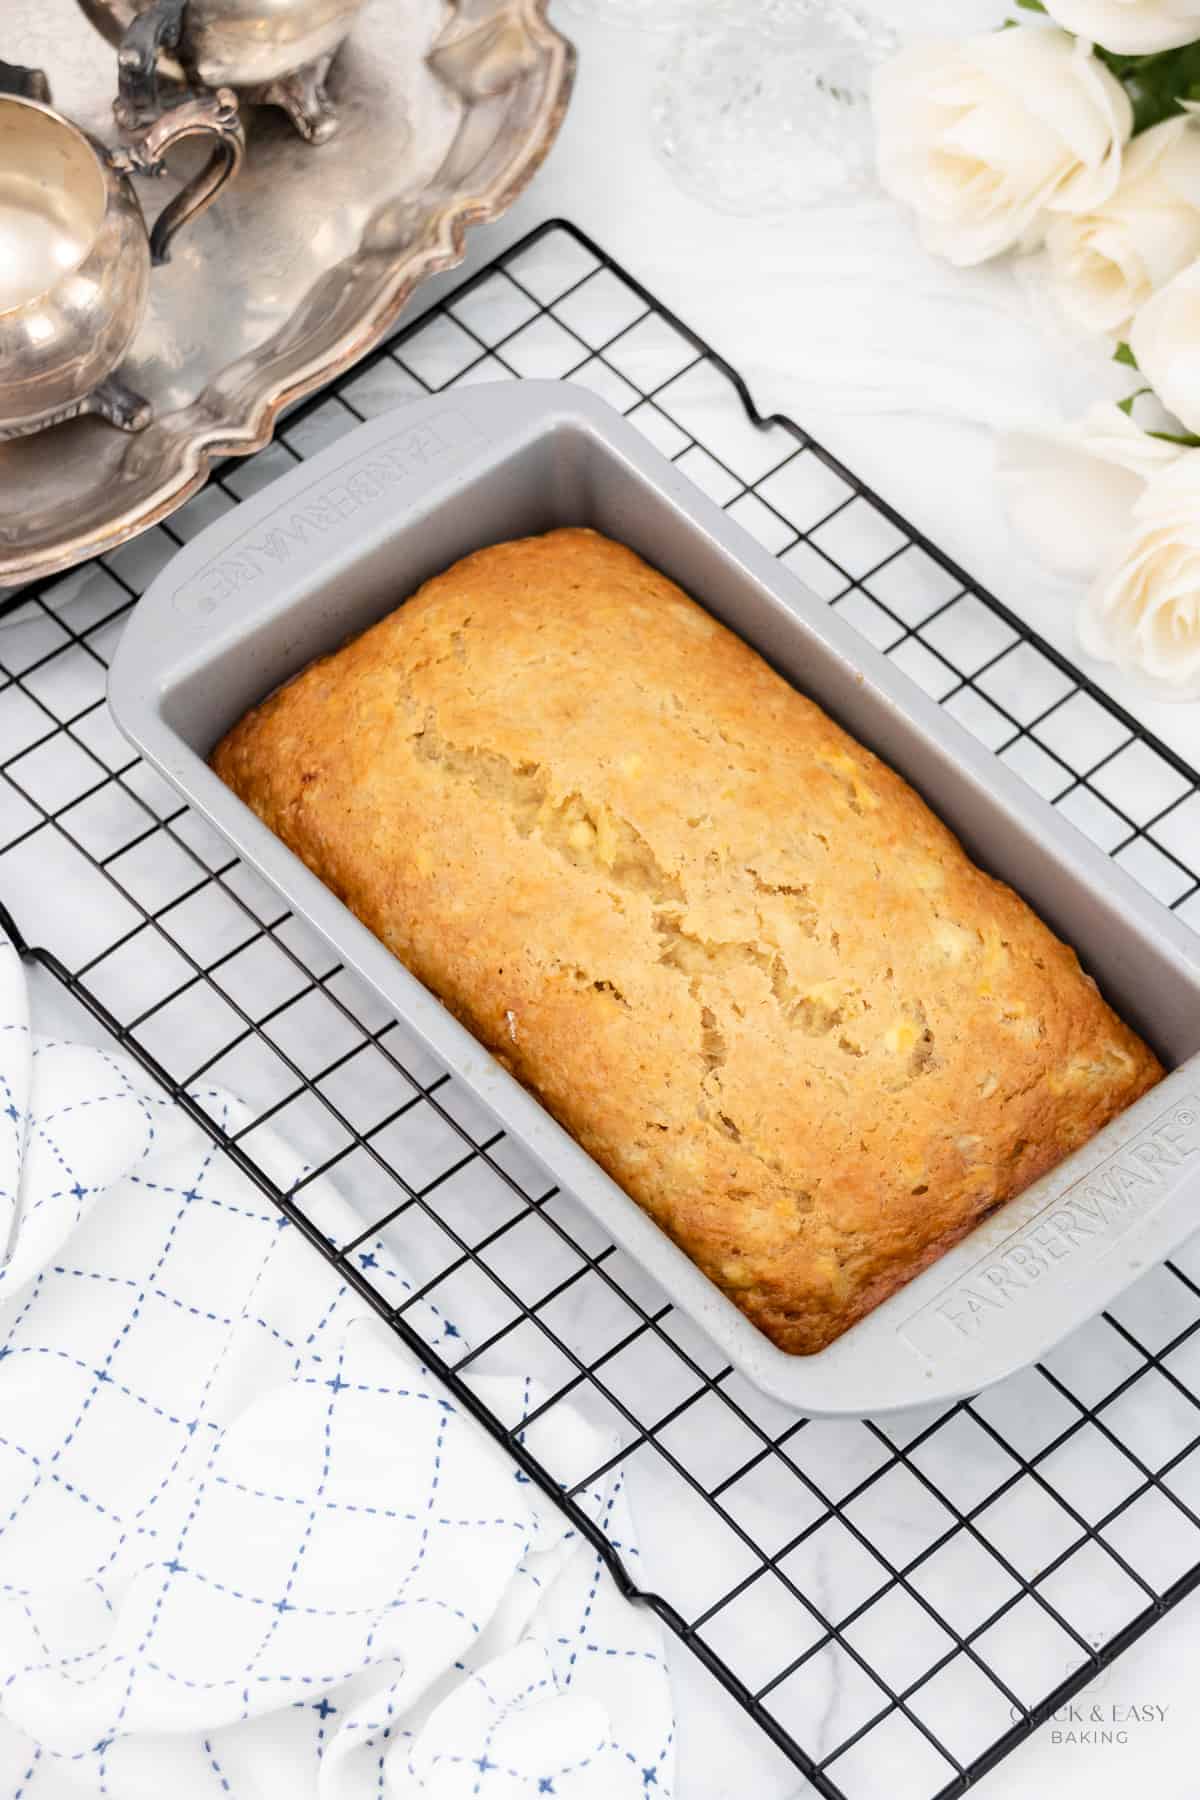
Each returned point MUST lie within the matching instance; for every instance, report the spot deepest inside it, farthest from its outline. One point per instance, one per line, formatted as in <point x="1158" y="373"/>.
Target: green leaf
<point x="1156" y="83"/>
<point x="1187" y="438"/>
<point x="1127" y="404"/>
<point x="1122" y="63"/>
<point x="1124" y="355"/>
<point x="1031" y="5"/>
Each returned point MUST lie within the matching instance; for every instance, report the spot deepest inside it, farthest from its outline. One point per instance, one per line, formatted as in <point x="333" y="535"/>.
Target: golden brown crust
<point x="735" y="954"/>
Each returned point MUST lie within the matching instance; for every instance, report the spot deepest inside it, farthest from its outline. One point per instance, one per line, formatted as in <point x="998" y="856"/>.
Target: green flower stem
<point x="1156" y="84"/>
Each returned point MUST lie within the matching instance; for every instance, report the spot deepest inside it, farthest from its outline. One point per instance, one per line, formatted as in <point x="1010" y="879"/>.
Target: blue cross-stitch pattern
<point x="159" y="1357"/>
<point x="217" y="1769"/>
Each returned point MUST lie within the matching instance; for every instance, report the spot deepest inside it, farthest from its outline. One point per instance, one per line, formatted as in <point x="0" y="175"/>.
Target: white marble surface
<point x="905" y="370"/>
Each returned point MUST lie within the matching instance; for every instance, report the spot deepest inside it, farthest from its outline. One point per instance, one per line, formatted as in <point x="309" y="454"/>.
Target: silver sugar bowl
<point x="272" y="52"/>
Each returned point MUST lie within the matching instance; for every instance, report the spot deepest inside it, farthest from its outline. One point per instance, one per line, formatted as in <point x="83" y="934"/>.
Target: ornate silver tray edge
<point x="280" y="383"/>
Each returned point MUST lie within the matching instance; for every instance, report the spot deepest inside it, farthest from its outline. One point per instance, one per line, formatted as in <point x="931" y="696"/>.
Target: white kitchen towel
<point x="248" y="1546"/>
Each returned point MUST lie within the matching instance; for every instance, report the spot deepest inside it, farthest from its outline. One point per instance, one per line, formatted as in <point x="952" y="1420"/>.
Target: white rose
<point x="1144" y="614"/>
<point x="1165" y="340"/>
<point x="1130" y="27"/>
<point x="1071" y="493"/>
<point x="1108" y="261"/>
<point x="981" y="136"/>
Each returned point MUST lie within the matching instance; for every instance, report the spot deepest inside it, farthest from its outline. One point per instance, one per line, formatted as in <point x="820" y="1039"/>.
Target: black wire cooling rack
<point x="896" y="1603"/>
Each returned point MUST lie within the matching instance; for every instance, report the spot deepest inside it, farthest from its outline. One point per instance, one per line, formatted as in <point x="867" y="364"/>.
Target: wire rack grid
<point x="896" y="1603"/>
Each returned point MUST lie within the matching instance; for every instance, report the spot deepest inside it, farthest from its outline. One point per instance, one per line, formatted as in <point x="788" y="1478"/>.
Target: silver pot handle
<point x="26" y="84"/>
<point x="213" y="115"/>
<point x="158" y="27"/>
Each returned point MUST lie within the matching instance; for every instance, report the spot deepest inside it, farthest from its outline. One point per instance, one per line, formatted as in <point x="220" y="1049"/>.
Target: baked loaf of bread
<point x="731" y="951"/>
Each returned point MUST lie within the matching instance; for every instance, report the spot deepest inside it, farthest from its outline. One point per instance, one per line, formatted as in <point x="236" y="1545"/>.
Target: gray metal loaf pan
<point x="337" y="542"/>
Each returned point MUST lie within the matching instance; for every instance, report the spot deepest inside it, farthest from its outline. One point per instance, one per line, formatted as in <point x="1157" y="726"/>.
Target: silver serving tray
<point x="447" y="108"/>
<point x="324" y="552"/>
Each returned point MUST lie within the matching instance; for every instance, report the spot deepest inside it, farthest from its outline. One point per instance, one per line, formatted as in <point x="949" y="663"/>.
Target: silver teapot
<point x="76" y="253"/>
<point x="273" y="52"/>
